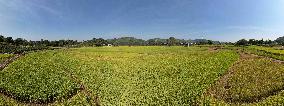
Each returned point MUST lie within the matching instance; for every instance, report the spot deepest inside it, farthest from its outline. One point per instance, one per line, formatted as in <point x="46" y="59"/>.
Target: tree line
<point x="278" y="41"/>
<point x="122" y="41"/>
<point x="129" y="41"/>
<point x="132" y="41"/>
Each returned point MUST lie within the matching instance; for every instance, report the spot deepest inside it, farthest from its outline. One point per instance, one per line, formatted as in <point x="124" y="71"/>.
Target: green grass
<point x="38" y="77"/>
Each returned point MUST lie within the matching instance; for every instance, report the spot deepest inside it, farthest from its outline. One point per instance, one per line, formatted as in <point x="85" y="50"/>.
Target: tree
<point x="210" y="42"/>
<point x="2" y="38"/>
<point x="19" y="41"/>
<point x="260" y="42"/>
<point x="201" y="41"/>
<point x="100" y="42"/>
<point x="157" y="42"/>
<point x="151" y="42"/>
<point x="172" y="41"/>
<point x="252" y="42"/>
<point x="268" y="42"/>
<point x="25" y="43"/>
<point x="242" y="42"/>
<point x="280" y="40"/>
<point x="9" y="40"/>
<point x="61" y="43"/>
<point x="127" y="41"/>
<point x="46" y="42"/>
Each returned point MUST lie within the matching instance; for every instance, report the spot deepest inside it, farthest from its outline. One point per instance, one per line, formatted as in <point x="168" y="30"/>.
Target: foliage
<point x="252" y="81"/>
<point x="143" y="75"/>
<point x="118" y="76"/>
<point x="261" y="42"/>
<point x="39" y="77"/>
<point x="3" y="57"/>
<point x="20" y="49"/>
<point x="95" y="42"/>
<point x="261" y="79"/>
<point x="172" y="41"/>
<point x="4" y="101"/>
<point x="280" y="40"/>
<point x="98" y="42"/>
<point x="150" y="75"/>
<point x="266" y="51"/>
<point x="243" y="42"/>
<point x="127" y="41"/>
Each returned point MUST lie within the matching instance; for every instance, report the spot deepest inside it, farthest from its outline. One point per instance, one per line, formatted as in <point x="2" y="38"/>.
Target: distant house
<point x="190" y="43"/>
<point x="109" y="45"/>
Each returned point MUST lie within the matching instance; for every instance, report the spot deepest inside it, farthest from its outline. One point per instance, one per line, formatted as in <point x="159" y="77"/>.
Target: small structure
<point x="190" y="44"/>
<point x="109" y="45"/>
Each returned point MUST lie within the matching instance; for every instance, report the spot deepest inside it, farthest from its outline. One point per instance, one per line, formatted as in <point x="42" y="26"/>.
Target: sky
<point x="222" y="20"/>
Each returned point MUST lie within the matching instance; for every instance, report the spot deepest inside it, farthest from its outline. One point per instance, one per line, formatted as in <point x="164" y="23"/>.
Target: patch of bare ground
<point x="215" y="48"/>
<point x="220" y="90"/>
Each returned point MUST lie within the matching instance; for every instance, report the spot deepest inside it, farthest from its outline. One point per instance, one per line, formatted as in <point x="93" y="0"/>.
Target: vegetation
<point x="244" y="42"/>
<point x="118" y="76"/>
<point x="39" y="77"/>
<point x="122" y="41"/>
<point x="174" y="76"/>
<point x="3" y="57"/>
<point x="275" y="53"/>
<point x="280" y="40"/>
<point x="275" y="50"/>
<point x="153" y="72"/>
<point x="251" y="81"/>
<point x="248" y="84"/>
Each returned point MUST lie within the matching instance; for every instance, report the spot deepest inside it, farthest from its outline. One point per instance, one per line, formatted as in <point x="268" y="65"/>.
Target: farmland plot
<point x="116" y="76"/>
<point x="38" y="77"/>
<point x="150" y="75"/>
<point x="253" y="80"/>
<point x="3" y="57"/>
<point x="270" y="52"/>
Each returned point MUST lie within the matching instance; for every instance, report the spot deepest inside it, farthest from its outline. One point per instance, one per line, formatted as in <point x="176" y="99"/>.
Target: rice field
<point x="3" y="57"/>
<point x="141" y="76"/>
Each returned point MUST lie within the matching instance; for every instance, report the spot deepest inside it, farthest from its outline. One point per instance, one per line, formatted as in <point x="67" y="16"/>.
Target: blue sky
<point x="224" y="20"/>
